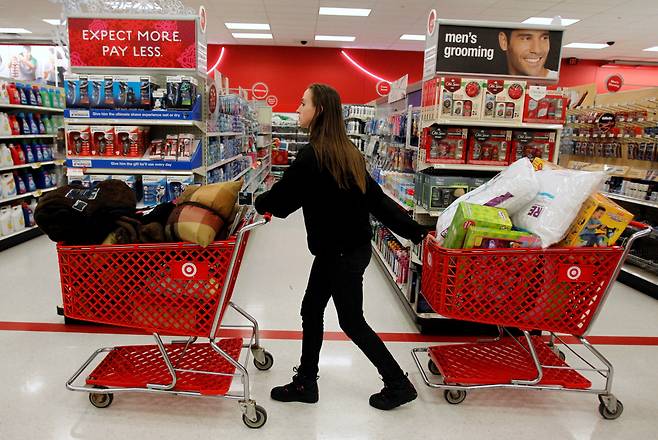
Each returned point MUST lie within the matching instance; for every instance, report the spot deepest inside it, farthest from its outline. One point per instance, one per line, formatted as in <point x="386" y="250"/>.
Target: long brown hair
<point x="334" y="149"/>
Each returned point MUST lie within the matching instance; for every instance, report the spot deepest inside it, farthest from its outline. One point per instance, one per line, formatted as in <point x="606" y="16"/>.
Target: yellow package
<point x="599" y="223"/>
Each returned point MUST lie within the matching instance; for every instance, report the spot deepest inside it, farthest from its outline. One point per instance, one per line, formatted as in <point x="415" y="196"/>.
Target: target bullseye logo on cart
<point x="189" y="270"/>
<point x="571" y="273"/>
<point x="574" y="273"/>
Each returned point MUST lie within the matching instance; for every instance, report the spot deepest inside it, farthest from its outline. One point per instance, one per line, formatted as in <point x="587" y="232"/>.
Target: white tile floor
<point x="35" y="405"/>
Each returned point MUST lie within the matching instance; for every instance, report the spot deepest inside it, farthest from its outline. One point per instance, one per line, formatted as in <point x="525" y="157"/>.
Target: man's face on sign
<point x="526" y="50"/>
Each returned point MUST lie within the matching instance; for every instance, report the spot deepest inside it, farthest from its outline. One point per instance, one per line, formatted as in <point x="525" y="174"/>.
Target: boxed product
<point x="102" y="140"/>
<point x="108" y="92"/>
<point x="95" y="179"/>
<point x="461" y="98"/>
<point x="147" y="87"/>
<point x="440" y="191"/>
<point x="127" y="141"/>
<point x="129" y="180"/>
<point x="171" y="147"/>
<point x="532" y="144"/>
<point x="488" y="238"/>
<point x="545" y="107"/>
<point x="176" y="185"/>
<point x="445" y="144"/>
<point x="96" y="91"/>
<point x="468" y="215"/>
<point x="181" y="92"/>
<point x="489" y="146"/>
<point x="126" y="92"/>
<point x="503" y="99"/>
<point x="279" y="157"/>
<point x="186" y="143"/>
<point x="76" y="89"/>
<point x="78" y="140"/>
<point x="156" y="150"/>
<point x="155" y="190"/>
<point x="600" y="222"/>
<point x="430" y="99"/>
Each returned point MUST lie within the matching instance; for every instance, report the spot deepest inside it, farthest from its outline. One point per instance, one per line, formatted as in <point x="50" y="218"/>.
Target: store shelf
<point x="434" y="213"/>
<point x="33" y="165"/>
<point x="358" y="118"/>
<point x="27" y="136"/>
<point x="280" y="166"/>
<point x="416" y="259"/>
<point x="222" y="162"/>
<point x="395" y="199"/>
<point x="36" y="193"/>
<point x="632" y="200"/>
<point x="359" y="135"/>
<point x="26" y="234"/>
<point x="460" y="167"/>
<point x="36" y="108"/>
<point x="494" y="124"/>
<point x="242" y="173"/>
<point x="224" y="134"/>
<point x="391" y="274"/>
<point x="264" y="157"/>
<point x="16" y="234"/>
<point x="153" y="122"/>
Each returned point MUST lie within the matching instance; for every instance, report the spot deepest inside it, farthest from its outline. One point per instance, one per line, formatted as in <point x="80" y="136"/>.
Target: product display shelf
<point x="37" y="193"/>
<point x="33" y="165"/>
<point x="395" y="199"/>
<point x="242" y="173"/>
<point x="35" y="108"/>
<point x="624" y="198"/>
<point x="200" y="125"/>
<point x="27" y="136"/>
<point x="432" y="213"/>
<point x="223" y="162"/>
<point x="224" y="134"/>
<point x="492" y="124"/>
<point x="401" y="287"/>
<point x="460" y="167"/>
<point x="26" y="234"/>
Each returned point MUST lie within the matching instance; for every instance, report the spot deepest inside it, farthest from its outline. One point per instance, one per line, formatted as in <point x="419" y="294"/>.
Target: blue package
<point x="34" y="128"/>
<point x="20" y="87"/>
<point x="29" y="182"/>
<point x="40" y="179"/>
<point x="28" y="153"/>
<point x="126" y="92"/>
<point x="76" y="88"/>
<point x="155" y="190"/>
<point x="176" y="185"/>
<point x="37" y="153"/>
<point x="24" y="124"/>
<point x="28" y="215"/>
<point x="96" y="92"/>
<point x="20" y="184"/>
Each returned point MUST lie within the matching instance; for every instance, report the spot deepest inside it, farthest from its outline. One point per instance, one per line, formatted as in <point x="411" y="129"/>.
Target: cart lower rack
<point x="165" y="288"/>
<point x="560" y="291"/>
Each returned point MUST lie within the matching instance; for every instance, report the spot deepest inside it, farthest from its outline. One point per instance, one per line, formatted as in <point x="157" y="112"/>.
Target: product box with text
<point x="489" y="146"/>
<point x="78" y="140"/>
<point x="128" y="141"/>
<point x="461" y="98"/>
<point x="503" y="100"/>
<point x="532" y="144"/>
<point x="445" y="144"/>
<point x="102" y="140"/>
<point x="544" y="106"/>
<point x="430" y="100"/>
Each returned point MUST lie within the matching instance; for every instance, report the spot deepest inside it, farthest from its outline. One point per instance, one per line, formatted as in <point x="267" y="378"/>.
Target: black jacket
<point x="336" y="220"/>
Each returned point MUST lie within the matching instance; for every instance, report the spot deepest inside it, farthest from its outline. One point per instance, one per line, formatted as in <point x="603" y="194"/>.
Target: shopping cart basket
<point x="554" y="290"/>
<point x="165" y="289"/>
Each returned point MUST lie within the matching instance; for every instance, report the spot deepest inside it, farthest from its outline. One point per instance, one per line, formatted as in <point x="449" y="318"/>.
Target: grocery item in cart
<point x="469" y="215"/>
<point x="561" y="194"/>
<point x="511" y="189"/>
<point x="489" y="238"/>
<point x="600" y="222"/>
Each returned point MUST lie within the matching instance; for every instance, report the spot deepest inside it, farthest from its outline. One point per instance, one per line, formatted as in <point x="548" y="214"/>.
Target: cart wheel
<point x="611" y="415"/>
<point x="269" y="361"/>
<point x="433" y="368"/>
<point x="261" y="418"/>
<point x="101" y="400"/>
<point x="454" y="397"/>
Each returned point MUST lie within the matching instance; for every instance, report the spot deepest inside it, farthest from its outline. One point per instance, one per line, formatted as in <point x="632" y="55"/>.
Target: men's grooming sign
<point x="508" y="50"/>
<point x="144" y="43"/>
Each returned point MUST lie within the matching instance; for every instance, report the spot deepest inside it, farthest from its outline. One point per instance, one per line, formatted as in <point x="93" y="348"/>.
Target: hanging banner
<point x="513" y="50"/>
<point x="398" y="89"/>
<point x="143" y="43"/>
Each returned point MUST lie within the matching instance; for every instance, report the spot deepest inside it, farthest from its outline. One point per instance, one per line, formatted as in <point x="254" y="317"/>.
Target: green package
<point x="488" y="238"/>
<point x="469" y="215"/>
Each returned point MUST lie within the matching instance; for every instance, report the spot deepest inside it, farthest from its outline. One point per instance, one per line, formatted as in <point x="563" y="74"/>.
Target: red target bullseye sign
<point x="189" y="270"/>
<point x="572" y="273"/>
<point x="383" y="88"/>
<point x="272" y="101"/>
<point x="260" y="90"/>
<point x="431" y="22"/>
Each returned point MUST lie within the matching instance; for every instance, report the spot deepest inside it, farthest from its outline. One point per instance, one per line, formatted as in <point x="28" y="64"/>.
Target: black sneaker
<point x="394" y="394"/>
<point x="301" y="389"/>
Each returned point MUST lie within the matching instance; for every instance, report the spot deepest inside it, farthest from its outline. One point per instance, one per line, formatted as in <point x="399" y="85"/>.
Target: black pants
<point x="341" y="278"/>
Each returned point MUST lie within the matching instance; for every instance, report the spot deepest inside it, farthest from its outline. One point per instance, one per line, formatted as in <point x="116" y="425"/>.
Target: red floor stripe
<point x="297" y="335"/>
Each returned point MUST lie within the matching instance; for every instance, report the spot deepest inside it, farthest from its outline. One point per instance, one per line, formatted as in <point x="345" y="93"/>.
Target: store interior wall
<point x="288" y="70"/>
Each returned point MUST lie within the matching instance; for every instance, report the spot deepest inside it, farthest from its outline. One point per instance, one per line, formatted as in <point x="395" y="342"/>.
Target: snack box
<point x="469" y="215"/>
<point x="487" y="238"/>
<point x="504" y="100"/>
<point x="599" y="223"/>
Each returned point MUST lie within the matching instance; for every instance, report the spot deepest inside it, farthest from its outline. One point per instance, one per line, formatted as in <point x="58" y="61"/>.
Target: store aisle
<point x="36" y="364"/>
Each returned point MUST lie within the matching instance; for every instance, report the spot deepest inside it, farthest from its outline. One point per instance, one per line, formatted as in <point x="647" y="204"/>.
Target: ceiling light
<point x="334" y="38"/>
<point x="14" y="31"/>
<point x="353" y="12"/>
<point x="53" y="21"/>
<point x="249" y="26"/>
<point x="412" y="37"/>
<point x="651" y="49"/>
<point x="252" y="36"/>
<point x="549" y="21"/>
<point x="586" y="46"/>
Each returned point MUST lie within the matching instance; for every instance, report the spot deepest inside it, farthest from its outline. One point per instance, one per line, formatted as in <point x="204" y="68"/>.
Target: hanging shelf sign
<point x="133" y="43"/>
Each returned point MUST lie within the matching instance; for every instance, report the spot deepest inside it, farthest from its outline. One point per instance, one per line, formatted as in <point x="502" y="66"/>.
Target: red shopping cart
<point x="179" y="289"/>
<point x="553" y="290"/>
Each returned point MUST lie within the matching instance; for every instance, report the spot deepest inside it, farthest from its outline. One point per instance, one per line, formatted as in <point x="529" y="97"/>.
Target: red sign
<point x="203" y="18"/>
<point x="212" y="98"/>
<point x="431" y="22"/>
<point x="189" y="270"/>
<point x="259" y="90"/>
<point x="272" y="101"/>
<point x="614" y="83"/>
<point x="145" y="43"/>
<point x="383" y="88"/>
<point x="571" y="273"/>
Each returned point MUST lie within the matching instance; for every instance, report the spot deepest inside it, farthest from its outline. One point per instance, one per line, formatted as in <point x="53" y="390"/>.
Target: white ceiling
<point x="630" y="23"/>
